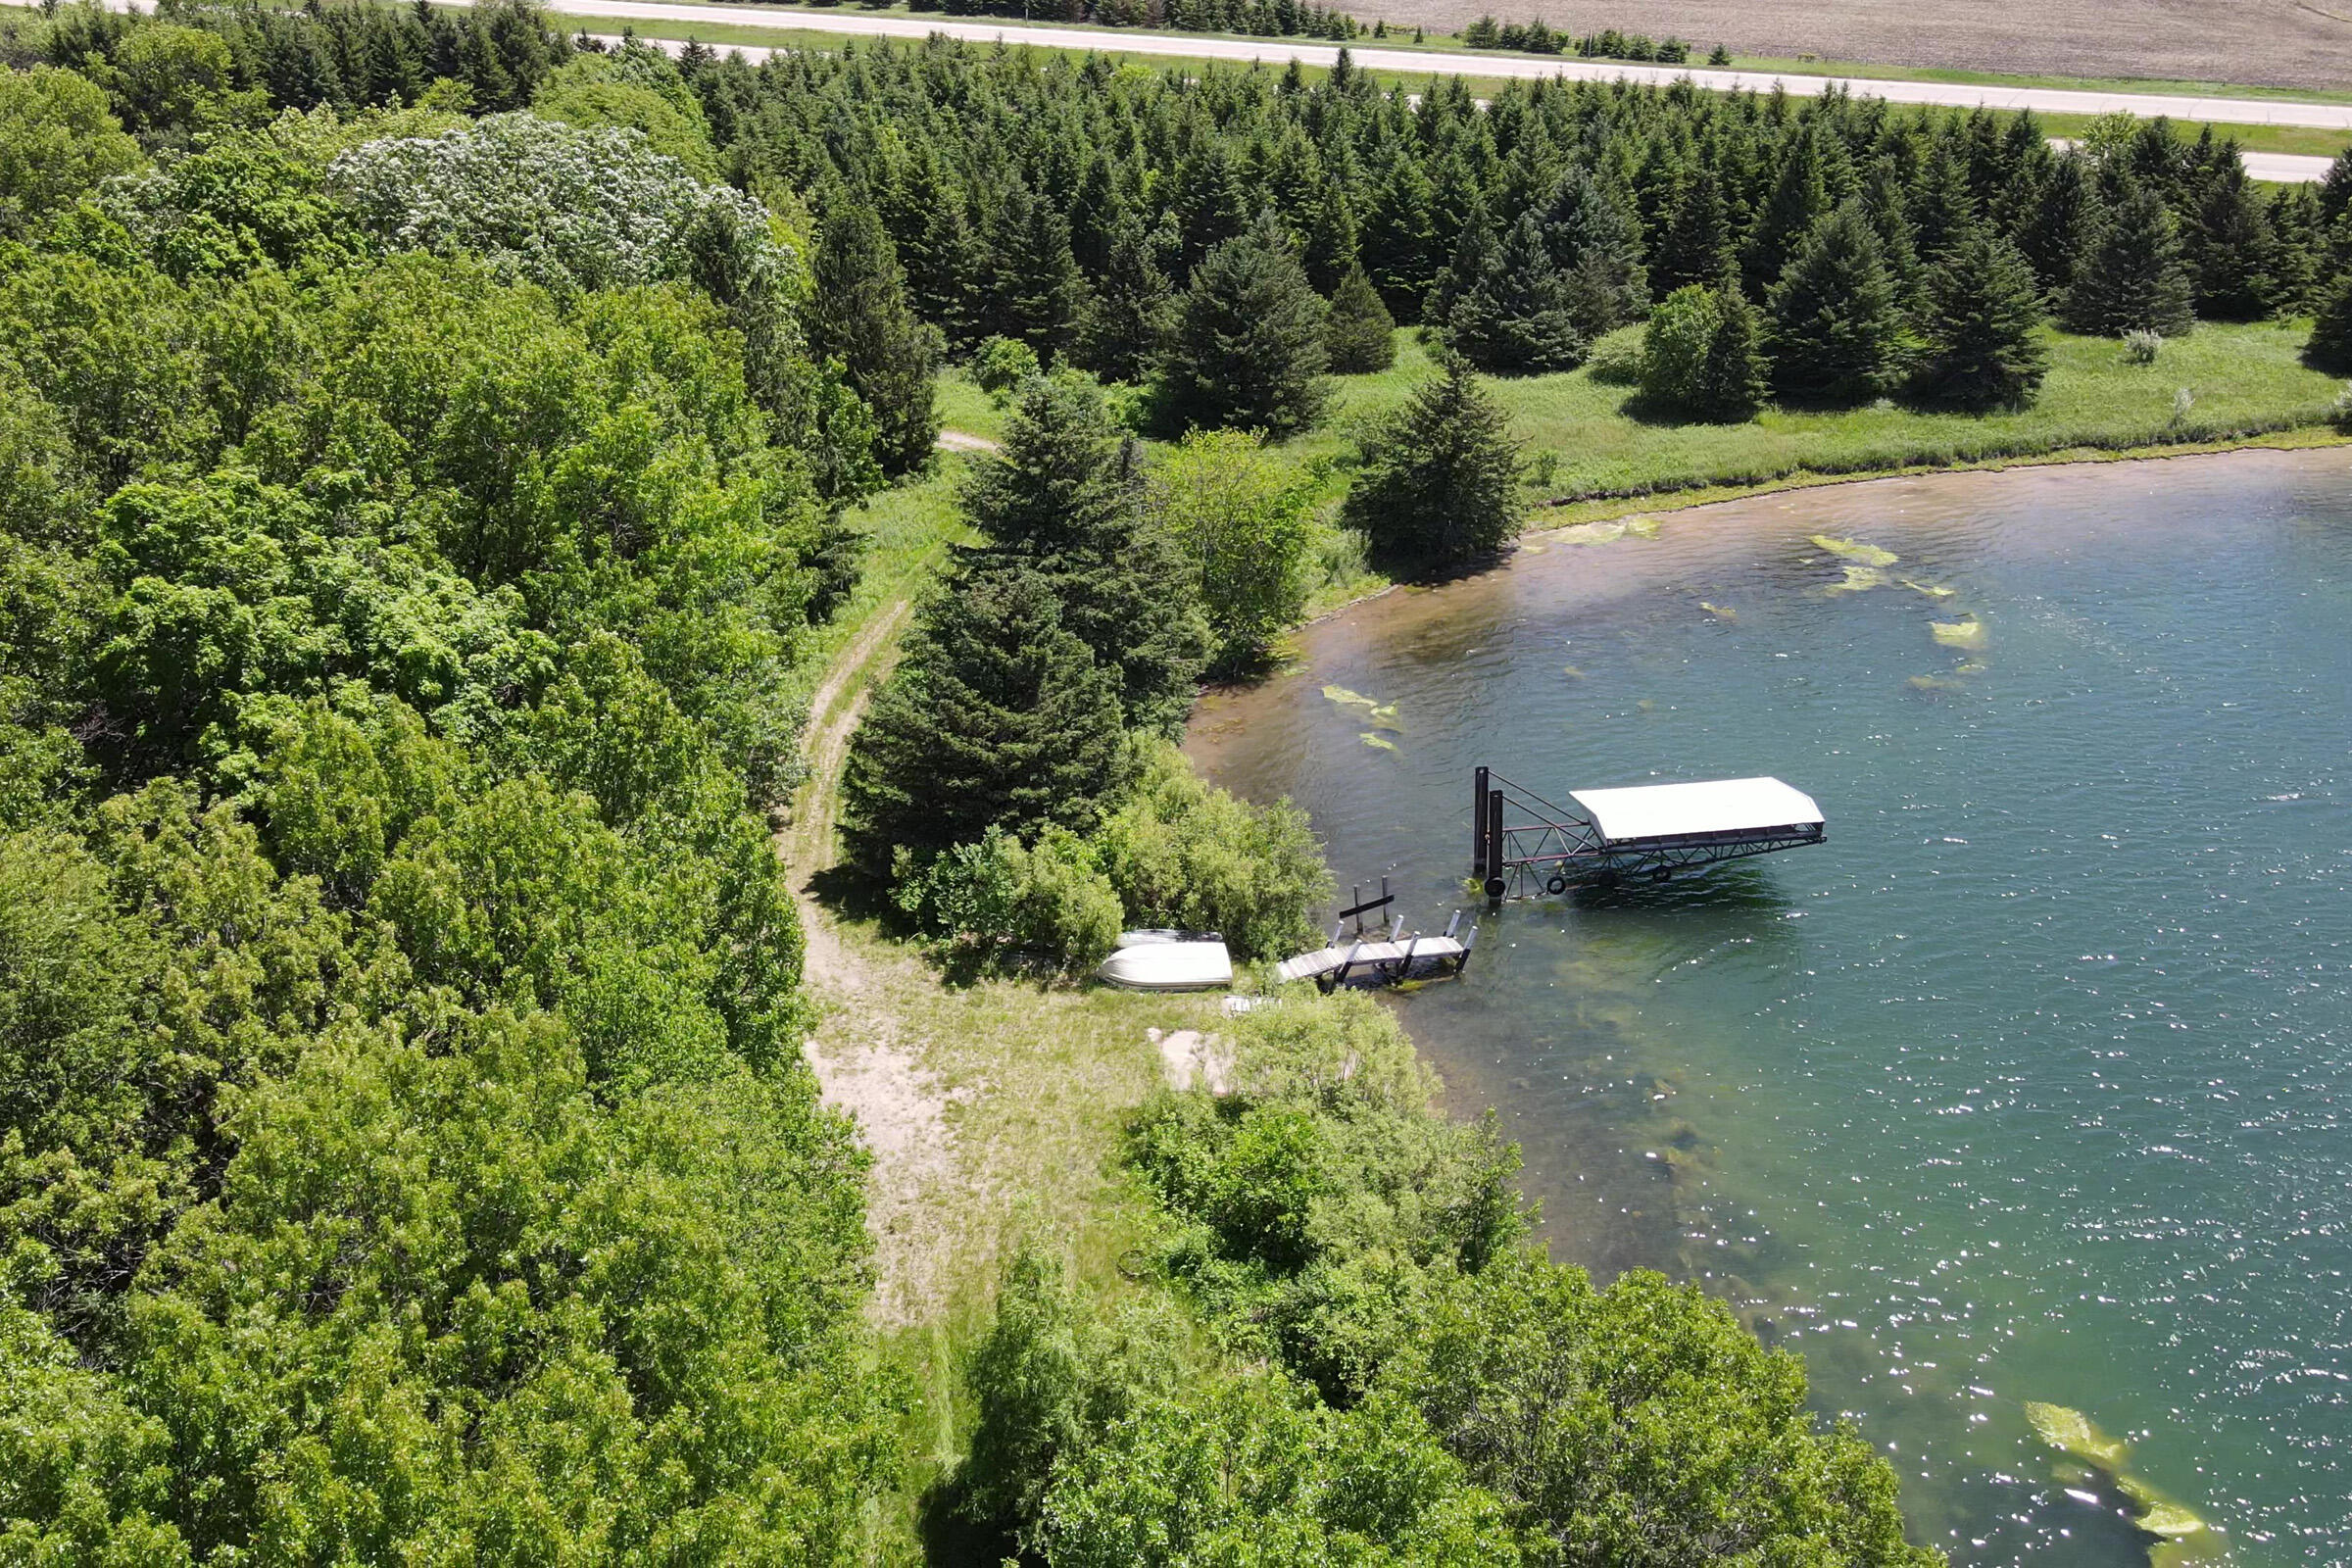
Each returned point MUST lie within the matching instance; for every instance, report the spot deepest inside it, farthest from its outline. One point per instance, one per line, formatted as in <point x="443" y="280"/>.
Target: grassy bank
<point x="2243" y="381"/>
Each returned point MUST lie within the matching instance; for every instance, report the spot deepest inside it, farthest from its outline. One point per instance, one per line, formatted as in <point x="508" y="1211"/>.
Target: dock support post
<point x="1478" y="825"/>
<point x="1495" y="885"/>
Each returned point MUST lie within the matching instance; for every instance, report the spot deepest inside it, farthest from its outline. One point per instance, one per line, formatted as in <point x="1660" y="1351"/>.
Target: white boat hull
<point x="1169" y="967"/>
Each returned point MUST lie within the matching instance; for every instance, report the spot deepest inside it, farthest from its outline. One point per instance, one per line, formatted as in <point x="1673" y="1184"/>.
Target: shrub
<point x="1050" y="900"/>
<point x="1244" y="519"/>
<point x="2142" y="346"/>
<point x="999" y="365"/>
<point x="1183" y="853"/>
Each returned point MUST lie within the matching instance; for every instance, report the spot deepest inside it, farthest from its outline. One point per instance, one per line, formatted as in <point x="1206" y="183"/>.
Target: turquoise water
<point x="2033" y="1083"/>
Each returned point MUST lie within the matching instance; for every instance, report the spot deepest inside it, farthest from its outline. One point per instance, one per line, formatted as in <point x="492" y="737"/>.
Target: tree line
<point x="406" y="523"/>
<point x="1856" y="250"/>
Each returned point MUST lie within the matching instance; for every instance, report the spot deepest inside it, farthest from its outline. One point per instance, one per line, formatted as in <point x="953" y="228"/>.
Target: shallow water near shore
<point x="2032" y="1083"/>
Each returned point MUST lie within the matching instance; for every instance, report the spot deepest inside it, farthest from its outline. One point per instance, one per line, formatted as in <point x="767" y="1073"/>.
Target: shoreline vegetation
<point x="511" y="728"/>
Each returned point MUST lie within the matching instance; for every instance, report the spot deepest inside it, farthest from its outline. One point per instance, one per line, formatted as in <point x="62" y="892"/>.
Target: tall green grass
<point x="2244" y="382"/>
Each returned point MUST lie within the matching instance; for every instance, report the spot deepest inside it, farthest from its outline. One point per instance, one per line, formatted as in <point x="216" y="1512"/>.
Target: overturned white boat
<point x="1169" y="962"/>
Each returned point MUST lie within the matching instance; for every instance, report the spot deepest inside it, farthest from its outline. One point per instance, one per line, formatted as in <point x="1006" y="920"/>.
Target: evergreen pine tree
<point x="857" y="314"/>
<point x="1884" y="200"/>
<point x="1733" y="384"/>
<point x="997" y="716"/>
<point x="1248" y="351"/>
<point x="2295" y="249"/>
<point x="1065" y="496"/>
<point x="2330" y="345"/>
<point x="1096" y="211"/>
<point x="936" y="245"/>
<point x="1033" y="285"/>
<point x="1799" y="201"/>
<point x="1521" y="318"/>
<point x="1836" y="326"/>
<point x="1128" y="317"/>
<point x="2130" y="277"/>
<point x="1400" y="238"/>
<point x="1439" y="487"/>
<point x="2230" y="249"/>
<point x="1698" y="247"/>
<point x="1359" y="334"/>
<point x="1985" y="347"/>
<point x="1943" y="207"/>
<point x="1595" y="241"/>
<point x="1471" y="252"/>
<point x="2056" y="222"/>
<point x="1209" y="206"/>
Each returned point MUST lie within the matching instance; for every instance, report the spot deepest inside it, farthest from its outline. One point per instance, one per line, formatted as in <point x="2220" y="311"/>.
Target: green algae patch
<point x="1719" y="612"/>
<point x="2186" y="1539"/>
<point x="1572" y="672"/>
<point x="1856" y="552"/>
<point x="2071" y="1432"/>
<point x="1379" y="740"/>
<point x="1858" y="579"/>
<point x="1934" y="590"/>
<point x="1967" y="633"/>
<point x="1384" y="716"/>
<point x="1348" y="699"/>
<point x="1936" y="683"/>
<point x="1607" y="531"/>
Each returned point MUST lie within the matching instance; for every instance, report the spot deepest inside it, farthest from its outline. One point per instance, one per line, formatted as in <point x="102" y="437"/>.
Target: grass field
<point x="2243" y="380"/>
<point x="2245" y="42"/>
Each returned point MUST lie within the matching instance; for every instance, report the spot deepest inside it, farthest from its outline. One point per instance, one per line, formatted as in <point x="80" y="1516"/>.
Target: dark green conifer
<point x="1033" y="284"/>
<point x="1985" y="348"/>
<point x="2132" y="277"/>
<point x="1836" y="326"/>
<point x="997" y="716"/>
<point x="1438" y="486"/>
<point x="1521" y="318"/>
<point x="2057" y="219"/>
<point x="1211" y="207"/>
<point x="1248" y="350"/>
<point x="1460" y="274"/>
<point x="1128" y="316"/>
<point x="2330" y="345"/>
<point x="1595" y="242"/>
<point x="859" y="315"/>
<point x="1799" y="201"/>
<point x="1737" y="376"/>
<point x="1943" y="207"/>
<point x="1065" y="495"/>
<point x="1359" y="334"/>
<point x="1698" y="247"/>
<point x="2231" y="248"/>
<point x="1400" y="238"/>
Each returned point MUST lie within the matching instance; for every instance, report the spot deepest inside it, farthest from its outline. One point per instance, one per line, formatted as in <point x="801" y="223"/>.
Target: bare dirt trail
<point x="863" y="1061"/>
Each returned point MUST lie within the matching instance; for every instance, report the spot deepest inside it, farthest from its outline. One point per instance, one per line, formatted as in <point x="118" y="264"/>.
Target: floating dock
<point x="1524" y="844"/>
<point x="1387" y="959"/>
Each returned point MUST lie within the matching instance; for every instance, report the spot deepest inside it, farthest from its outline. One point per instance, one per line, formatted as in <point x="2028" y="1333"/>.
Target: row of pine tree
<point x="1118" y="220"/>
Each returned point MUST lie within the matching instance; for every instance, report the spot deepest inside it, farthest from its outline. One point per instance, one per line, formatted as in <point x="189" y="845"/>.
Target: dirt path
<point x="966" y="441"/>
<point x="857" y="1049"/>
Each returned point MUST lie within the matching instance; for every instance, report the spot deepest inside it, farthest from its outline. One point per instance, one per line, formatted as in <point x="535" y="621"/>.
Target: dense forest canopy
<point x="424" y="444"/>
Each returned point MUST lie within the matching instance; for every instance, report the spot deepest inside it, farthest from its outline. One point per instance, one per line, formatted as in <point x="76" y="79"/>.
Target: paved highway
<point x="2042" y="100"/>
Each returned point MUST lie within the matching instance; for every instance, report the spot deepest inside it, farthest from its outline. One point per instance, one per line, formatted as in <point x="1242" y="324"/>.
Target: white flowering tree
<point x="567" y="208"/>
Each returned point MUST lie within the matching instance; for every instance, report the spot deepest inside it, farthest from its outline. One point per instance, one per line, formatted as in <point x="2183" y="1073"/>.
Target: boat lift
<point x="1524" y="844"/>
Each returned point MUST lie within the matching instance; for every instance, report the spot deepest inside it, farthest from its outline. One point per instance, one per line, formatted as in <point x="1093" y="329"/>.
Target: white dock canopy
<point x="1730" y="805"/>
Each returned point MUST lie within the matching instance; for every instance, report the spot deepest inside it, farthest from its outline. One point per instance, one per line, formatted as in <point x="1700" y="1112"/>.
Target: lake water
<point x="2032" y="1083"/>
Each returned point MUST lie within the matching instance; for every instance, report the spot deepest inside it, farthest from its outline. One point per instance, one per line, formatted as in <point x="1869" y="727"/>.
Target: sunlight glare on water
<point x="2030" y="1085"/>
